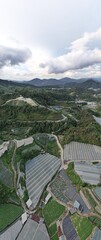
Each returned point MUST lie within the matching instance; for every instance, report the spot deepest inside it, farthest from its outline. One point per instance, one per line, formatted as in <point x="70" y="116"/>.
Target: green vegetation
<point x="90" y="199"/>
<point x="28" y="113"/>
<point x="76" y="180"/>
<point x="53" y="232"/>
<point x="96" y="221"/>
<point x="86" y="130"/>
<point x="6" y="176"/>
<point x="82" y="225"/>
<point x="8" y="214"/>
<point x="47" y="143"/>
<point x="7" y="157"/>
<point x="24" y="153"/>
<point x="52" y="211"/>
<point x="4" y="193"/>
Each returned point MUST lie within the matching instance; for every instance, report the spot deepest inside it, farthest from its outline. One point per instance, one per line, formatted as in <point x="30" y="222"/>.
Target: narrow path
<point x="61" y="149"/>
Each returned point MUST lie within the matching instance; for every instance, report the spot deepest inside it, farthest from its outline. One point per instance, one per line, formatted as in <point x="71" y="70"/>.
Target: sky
<point x="50" y="39"/>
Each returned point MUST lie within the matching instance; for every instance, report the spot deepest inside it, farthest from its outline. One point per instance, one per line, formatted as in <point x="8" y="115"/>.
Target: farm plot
<point x="8" y="214"/>
<point x="72" y="193"/>
<point x="59" y="188"/>
<point x="76" y="151"/>
<point x="52" y="211"/>
<point x="69" y="230"/>
<point x="39" y="171"/>
<point x="82" y="225"/>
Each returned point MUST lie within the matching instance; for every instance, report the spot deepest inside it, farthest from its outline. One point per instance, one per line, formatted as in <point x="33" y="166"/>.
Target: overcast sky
<point x="50" y="38"/>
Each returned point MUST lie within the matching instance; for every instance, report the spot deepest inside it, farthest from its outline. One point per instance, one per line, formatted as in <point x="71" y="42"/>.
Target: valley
<point x="46" y="134"/>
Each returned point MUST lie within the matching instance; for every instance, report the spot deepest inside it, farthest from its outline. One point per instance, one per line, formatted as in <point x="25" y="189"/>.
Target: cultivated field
<point x="39" y="171"/>
<point x="76" y="151"/>
<point x="9" y="213"/>
<point x="82" y="225"/>
<point x="52" y="211"/>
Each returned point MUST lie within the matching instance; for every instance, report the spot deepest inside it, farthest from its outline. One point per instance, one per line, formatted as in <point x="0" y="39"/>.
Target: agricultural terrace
<point x="76" y="151"/>
<point x="39" y="171"/>
<point x="82" y="225"/>
<point x="8" y="214"/>
<point x="51" y="213"/>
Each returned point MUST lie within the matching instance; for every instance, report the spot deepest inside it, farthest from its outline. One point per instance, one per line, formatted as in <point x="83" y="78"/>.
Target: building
<point x="78" y="206"/>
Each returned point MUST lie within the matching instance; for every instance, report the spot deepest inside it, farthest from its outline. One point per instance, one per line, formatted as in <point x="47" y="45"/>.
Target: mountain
<point x="52" y="82"/>
<point x="64" y="82"/>
<point x="90" y="84"/>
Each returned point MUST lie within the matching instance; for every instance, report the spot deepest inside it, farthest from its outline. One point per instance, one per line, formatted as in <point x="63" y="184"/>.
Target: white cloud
<point x="82" y="53"/>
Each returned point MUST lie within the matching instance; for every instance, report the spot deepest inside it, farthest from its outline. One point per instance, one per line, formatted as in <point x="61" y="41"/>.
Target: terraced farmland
<point x="39" y="171"/>
<point x="76" y="151"/>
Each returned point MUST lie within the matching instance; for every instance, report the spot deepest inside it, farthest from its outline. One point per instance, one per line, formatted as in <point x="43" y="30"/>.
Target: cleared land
<point x="76" y="151"/>
<point x="39" y="171"/>
<point x="8" y="214"/>
<point x="82" y="225"/>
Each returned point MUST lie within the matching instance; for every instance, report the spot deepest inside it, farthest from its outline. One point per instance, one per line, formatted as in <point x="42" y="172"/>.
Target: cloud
<point x="82" y="53"/>
<point x="13" y="56"/>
